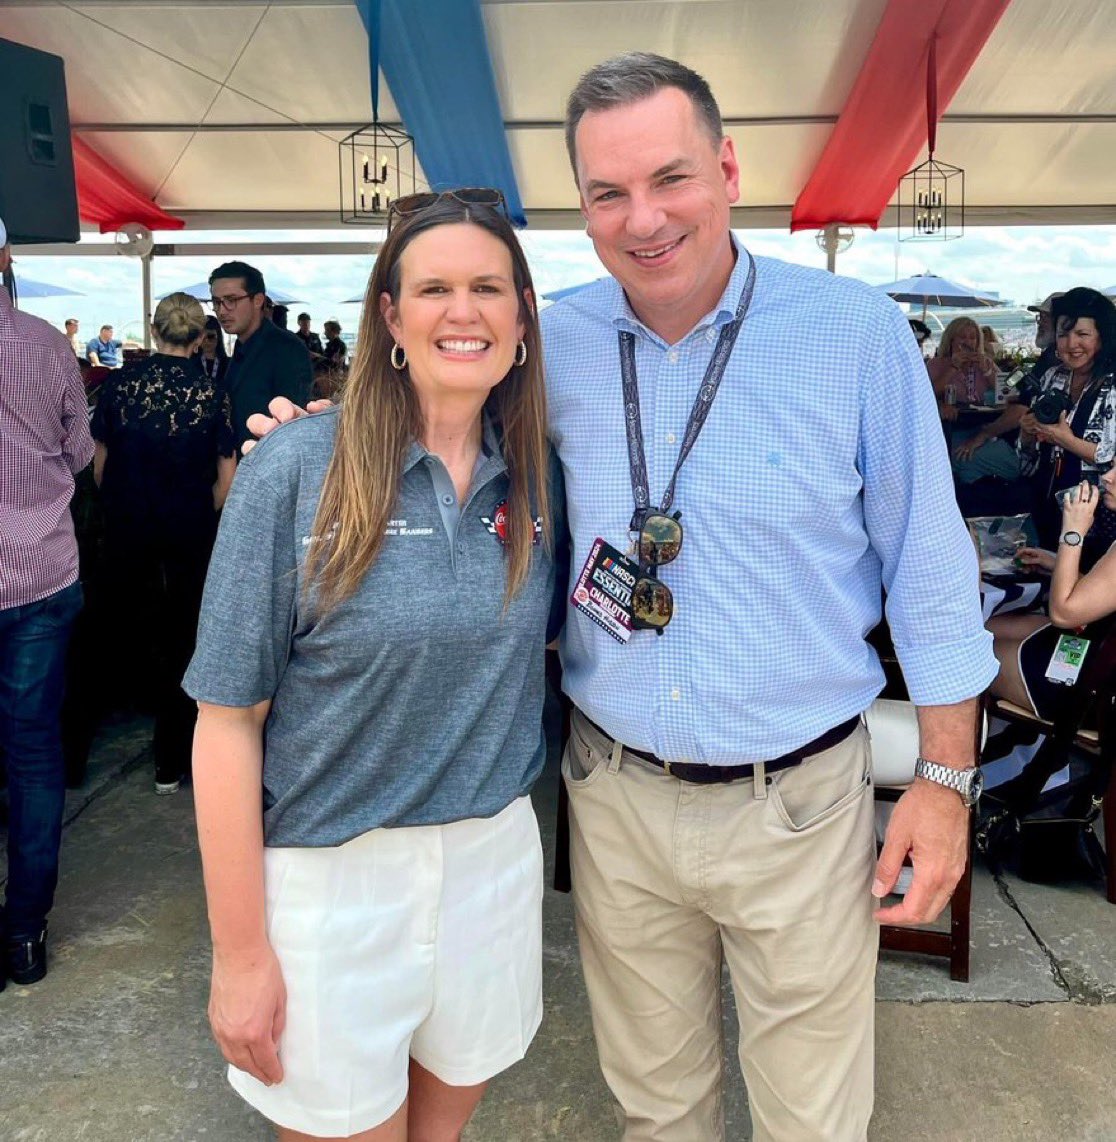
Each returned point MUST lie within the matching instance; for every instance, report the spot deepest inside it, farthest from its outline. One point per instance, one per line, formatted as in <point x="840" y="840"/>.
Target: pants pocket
<point x="824" y="786"/>
<point x="582" y="764"/>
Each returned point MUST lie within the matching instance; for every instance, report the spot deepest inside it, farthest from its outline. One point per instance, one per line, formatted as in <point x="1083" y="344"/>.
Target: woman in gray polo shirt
<point x="369" y="669"/>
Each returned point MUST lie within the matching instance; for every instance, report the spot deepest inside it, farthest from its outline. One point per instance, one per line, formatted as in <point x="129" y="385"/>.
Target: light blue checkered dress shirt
<point x="820" y="474"/>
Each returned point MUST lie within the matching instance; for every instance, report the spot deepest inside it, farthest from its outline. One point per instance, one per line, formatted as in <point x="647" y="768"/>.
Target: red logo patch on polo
<point x="497" y="523"/>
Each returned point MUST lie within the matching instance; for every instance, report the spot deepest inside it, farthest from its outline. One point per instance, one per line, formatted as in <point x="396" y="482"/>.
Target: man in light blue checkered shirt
<point x="819" y="478"/>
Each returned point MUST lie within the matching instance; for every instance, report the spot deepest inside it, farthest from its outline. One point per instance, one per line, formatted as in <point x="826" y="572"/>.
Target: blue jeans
<point x="33" y="642"/>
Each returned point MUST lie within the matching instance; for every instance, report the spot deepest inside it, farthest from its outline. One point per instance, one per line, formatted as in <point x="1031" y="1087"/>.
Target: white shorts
<point x="417" y="943"/>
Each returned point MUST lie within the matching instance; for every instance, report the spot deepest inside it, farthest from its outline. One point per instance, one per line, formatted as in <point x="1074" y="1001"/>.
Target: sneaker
<point x="166" y="788"/>
<point x="26" y="960"/>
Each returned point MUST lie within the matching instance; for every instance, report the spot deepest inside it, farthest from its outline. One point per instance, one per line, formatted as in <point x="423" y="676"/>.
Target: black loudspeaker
<point x="38" y="199"/>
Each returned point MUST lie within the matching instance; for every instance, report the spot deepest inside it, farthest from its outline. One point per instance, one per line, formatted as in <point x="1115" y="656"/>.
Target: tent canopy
<point x="228" y="114"/>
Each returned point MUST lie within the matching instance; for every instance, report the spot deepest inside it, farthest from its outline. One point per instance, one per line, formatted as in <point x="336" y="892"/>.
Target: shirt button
<point x="672" y="356"/>
<point x="670" y="437"/>
<point x="711" y="334"/>
<point x="675" y="694"/>
<point x="447" y="499"/>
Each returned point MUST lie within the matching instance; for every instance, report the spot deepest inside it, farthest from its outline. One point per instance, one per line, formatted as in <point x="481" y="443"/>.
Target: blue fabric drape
<point x="435" y="59"/>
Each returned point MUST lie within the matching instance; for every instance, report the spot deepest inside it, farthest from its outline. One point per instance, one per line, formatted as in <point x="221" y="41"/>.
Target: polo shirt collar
<point x="490" y="445"/>
<point x="622" y="316"/>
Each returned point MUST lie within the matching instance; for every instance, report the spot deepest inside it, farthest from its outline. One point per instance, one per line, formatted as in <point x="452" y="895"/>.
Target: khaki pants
<point x="670" y="879"/>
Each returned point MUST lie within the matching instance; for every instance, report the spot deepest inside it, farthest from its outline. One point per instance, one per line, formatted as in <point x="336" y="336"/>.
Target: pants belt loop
<point x="614" y="760"/>
<point x="759" y="781"/>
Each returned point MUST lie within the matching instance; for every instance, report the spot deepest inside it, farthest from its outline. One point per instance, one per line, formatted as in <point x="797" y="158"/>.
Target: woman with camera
<point x="1069" y="433"/>
<point x="1067" y="421"/>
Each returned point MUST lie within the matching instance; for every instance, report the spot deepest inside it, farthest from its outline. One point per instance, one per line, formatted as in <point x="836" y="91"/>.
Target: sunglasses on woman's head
<point x="410" y="204"/>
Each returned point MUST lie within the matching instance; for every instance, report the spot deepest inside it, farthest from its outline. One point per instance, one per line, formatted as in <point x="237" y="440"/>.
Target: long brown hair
<point x="380" y="417"/>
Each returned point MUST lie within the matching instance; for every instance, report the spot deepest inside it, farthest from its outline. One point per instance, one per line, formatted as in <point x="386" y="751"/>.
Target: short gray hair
<point x="632" y="77"/>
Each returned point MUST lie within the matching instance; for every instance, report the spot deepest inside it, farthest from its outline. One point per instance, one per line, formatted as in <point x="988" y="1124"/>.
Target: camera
<point x="1027" y="386"/>
<point x="1050" y="406"/>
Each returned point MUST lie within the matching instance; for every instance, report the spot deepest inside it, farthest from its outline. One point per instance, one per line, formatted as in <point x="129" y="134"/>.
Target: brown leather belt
<point x="722" y="774"/>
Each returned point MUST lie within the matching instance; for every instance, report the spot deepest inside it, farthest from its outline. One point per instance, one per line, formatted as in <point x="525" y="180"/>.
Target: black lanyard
<point x="703" y="402"/>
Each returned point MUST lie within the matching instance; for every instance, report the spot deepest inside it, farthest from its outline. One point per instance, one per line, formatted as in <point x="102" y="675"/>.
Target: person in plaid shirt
<point x="44" y="442"/>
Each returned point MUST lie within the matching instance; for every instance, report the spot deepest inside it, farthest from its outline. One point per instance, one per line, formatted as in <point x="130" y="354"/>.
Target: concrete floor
<point x="114" y="1045"/>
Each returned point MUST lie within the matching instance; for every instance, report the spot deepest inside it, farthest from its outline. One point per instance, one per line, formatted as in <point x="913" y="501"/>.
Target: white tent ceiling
<point x="228" y="112"/>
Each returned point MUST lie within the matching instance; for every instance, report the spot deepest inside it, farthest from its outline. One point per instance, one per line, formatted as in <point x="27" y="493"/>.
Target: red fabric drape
<point x="883" y="126"/>
<point x="106" y="197"/>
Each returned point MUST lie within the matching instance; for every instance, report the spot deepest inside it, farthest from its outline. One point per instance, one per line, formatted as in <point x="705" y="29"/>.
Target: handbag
<point x="1054" y="844"/>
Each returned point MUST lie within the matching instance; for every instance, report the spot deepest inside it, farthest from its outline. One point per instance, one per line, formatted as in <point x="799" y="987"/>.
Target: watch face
<point x="976" y="786"/>
<point x="1071" y="538"/>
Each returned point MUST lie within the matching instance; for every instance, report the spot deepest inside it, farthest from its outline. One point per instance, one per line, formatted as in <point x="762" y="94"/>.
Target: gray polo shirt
<point x="416" y="701"/>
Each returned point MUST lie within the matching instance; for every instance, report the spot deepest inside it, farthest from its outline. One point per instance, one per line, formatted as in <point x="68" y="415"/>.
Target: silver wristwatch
<point x="969" y="783"/>
<point x="1071" y="538"/>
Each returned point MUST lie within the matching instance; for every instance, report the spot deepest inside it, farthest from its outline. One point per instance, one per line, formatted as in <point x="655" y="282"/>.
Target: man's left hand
<point x="931" y="823"/>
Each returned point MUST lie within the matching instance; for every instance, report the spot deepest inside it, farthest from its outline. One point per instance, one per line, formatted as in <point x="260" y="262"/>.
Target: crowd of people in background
<point x="159" y="427"/>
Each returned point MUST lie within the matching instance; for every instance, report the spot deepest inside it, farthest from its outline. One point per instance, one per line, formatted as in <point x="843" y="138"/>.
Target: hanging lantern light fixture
<point x="377" y="166"/>
<point x="376" y="163"/>
<point x="932" y="195"/>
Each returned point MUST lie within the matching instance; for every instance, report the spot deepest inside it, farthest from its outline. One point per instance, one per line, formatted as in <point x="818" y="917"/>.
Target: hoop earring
<point x="398" y="357"/>
<point x="521" y="354"/>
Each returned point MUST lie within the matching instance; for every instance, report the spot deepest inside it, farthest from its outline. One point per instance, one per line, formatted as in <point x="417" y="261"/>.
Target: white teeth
<point x="654" y="253"/>
<point x="463" y="346"/>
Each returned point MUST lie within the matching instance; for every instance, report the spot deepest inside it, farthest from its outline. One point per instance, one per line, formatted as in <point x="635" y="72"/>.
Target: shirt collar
<point x="623" y="317"/>
<point x="490" y="445"/>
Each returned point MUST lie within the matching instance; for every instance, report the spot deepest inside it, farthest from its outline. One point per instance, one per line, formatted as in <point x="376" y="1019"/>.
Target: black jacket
<point x="271" y="363"/>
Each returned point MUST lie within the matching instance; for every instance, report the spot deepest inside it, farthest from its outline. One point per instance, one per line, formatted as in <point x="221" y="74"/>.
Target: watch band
<point x="968" y="783"/>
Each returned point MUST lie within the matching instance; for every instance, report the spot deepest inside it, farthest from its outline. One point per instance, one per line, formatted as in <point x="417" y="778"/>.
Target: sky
<point x="1022" y="264"/>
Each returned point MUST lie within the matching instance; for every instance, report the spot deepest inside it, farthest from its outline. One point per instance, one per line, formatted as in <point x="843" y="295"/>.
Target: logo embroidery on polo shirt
<point x="497" y="523"/>
<point x="399" y="527"/>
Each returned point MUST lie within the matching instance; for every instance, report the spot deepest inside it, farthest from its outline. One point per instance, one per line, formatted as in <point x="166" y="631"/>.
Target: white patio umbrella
<point x="929" y="289"/>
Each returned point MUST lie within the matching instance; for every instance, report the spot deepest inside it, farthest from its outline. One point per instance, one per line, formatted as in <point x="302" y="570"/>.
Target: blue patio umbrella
<point x="201" y="290"/>
<point x="929" y="289"/>
<point x="28" y="287"/>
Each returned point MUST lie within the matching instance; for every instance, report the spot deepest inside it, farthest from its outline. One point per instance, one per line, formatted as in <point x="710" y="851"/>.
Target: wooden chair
<point x="893" y="724"/>
<point x="1087" y="724"/>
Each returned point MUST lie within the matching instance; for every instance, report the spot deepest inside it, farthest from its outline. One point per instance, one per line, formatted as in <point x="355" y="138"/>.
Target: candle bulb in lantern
<point x="383" y="169"/>
<point x="364" y="168"/>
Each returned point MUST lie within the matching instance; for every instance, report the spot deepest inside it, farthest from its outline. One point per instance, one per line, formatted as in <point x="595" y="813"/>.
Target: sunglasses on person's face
<point x="410" y="204"/>
<point x="660" y="541"/>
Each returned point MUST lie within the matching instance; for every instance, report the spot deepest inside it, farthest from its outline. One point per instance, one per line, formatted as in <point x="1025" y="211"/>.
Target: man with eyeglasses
<point x="267" y="362"/>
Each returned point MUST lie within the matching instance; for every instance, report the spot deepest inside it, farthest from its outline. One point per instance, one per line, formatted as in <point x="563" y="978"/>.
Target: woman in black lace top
<point x="164" y="462"/>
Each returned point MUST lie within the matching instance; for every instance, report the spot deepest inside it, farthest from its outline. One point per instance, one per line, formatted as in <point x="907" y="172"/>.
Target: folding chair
<point x="893" y="724"/>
